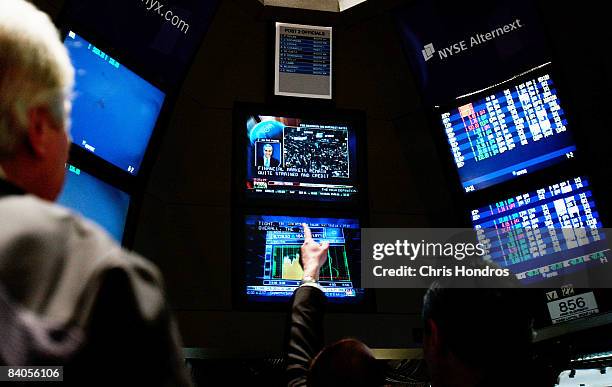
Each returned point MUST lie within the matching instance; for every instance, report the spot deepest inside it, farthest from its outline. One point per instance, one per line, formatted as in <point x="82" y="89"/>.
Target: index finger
<point x="307" y="233"/>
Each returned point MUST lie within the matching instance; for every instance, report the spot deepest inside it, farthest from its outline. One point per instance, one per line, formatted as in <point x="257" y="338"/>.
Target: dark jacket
<point x="273" y="162"/>
<point x="305" y="333"/>
<point x="60" y="271"/>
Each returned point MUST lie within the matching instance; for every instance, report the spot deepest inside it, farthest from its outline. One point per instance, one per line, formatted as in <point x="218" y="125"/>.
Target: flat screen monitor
<point x="510" y="132"/>
<point x="289" y="158"/>
<point x="114" y="110"/>
<point x="541" y="235"/>
<point x="94" y="199"/>
<point x="272" y="260"/>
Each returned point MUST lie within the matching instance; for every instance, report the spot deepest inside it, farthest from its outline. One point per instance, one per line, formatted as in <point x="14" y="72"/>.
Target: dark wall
<point x="185" y="222"/>
<point x="184" y="225"/>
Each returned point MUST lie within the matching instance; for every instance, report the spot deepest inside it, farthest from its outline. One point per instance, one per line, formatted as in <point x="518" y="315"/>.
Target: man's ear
<point x="37" y="137"/>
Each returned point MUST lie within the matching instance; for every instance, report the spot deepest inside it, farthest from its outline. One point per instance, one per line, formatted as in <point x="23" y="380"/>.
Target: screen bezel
<point x="240" y="299"/>
<point x="356" y="119"/>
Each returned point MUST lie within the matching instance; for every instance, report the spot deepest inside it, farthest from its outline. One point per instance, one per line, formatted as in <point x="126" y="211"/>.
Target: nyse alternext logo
<point x="428" y="51"/>
<point x="474" y="40"/>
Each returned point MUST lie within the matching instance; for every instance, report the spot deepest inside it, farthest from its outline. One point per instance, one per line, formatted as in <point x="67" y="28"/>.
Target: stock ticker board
<point x="553" y="231"/>
<point x="509" y="133"/>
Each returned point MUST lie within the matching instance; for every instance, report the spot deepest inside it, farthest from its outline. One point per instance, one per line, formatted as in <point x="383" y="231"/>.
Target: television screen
<point x="297" y="158"/>
<point x="509" y="133"/>
<point x="539" y="235"/>
<point x="96" y="200"/>
<point x="272" y="256"/>
<point x="114" y="110"/>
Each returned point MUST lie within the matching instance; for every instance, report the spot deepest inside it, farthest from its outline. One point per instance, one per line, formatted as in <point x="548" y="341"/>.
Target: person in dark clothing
<point x="478" y="337"/>
<point x="69" y="294"/>
<point x="347" y="362"/>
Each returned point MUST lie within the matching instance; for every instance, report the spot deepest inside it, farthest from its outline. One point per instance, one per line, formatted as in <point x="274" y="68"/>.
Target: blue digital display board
<point x="96" y="200"/>
<point x="539" y="235"/>
<point x="509" y="133"/>
<point x="296" y="158"/>
<point x="306" y="55"/>
<point x="114" y="111"/>
<point x="272" y="256"/>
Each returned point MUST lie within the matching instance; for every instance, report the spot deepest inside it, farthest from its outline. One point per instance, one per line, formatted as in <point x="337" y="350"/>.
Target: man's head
<point x="36" y="79"/>
<point x="474" y="335"/>
<point x="268" y="149"/>
<point x="347" y="362"/>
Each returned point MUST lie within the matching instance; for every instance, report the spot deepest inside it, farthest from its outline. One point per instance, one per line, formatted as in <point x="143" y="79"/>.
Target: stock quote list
<point x="304" y="55"/>
<point x="509" y="133"/>
<point x="546" y="233"/>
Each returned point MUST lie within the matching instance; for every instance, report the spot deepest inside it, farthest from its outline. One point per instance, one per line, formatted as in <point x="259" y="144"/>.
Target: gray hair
<point x="35" y="70"/>
<point x="268" y="146"/>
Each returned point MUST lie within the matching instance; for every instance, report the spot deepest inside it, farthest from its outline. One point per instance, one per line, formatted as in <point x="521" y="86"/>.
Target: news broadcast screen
<point x="553" y="231"/>
<point x="96" y="200"/>
<point x="297" y="158"/>
<point x="114" y="110"/>
<point x="272" y="256"/>
<point x="509" y="133"/>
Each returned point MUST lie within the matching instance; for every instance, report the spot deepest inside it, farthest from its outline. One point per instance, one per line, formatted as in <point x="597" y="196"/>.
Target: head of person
<point x="268" y="149"/>
<point x="476" y="336"/>
<point x="36" y="81"/>
<point x="347" y="362"/>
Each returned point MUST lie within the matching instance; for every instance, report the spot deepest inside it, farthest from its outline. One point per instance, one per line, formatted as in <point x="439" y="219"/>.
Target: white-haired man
<point x="267" y="160"/>
<point x="57" y="269"/>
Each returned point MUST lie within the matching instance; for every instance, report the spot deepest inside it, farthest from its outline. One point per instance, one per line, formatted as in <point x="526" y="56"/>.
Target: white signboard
<point x="572" y="308"/>
<point x="303" y="61"/>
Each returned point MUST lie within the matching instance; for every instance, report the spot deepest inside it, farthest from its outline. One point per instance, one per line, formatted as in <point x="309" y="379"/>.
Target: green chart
<point x="286" y="264"/>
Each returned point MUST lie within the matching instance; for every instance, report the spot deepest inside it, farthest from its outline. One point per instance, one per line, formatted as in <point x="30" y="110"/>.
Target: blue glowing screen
<point x="96" y="200"/>
<point x="114" y="110"/>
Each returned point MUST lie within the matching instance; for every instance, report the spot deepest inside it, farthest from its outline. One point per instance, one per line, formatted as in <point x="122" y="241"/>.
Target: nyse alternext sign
<point x="473" y="41"/>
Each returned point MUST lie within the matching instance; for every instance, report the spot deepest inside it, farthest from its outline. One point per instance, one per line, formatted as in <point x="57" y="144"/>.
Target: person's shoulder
<point x="47" y="241"/>
<point x="59" y="230"/>
<point x="28" y="214"/>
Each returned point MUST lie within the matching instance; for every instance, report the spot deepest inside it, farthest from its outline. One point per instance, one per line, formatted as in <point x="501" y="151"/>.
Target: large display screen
<point x="539" y="235"/>
<point x="114" y="110"/>
<point x="297" y="158"/>
<point x="512" y="132"/>
<point x="272" y="256"/>
<point x="96" y="200"/>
